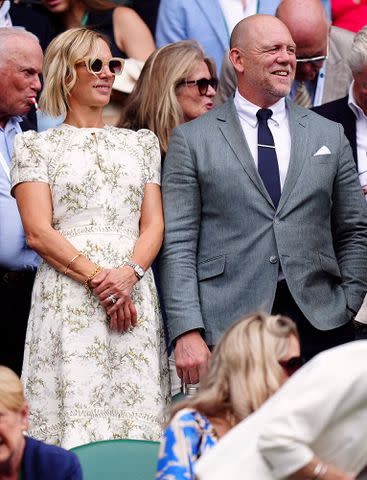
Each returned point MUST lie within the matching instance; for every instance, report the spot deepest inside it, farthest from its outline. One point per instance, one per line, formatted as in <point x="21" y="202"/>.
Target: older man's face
<point x="19" y="79"/>
<point x="360" y="88"/>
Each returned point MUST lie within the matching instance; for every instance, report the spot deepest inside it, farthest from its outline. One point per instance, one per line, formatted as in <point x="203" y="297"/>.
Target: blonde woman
<point x="252" y="360"/>
<point x="177" y="84"/>
<point x="95" y="364"/>
<point x="22" y="457"/>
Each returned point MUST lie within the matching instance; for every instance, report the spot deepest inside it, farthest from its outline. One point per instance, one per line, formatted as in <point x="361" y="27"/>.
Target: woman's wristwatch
<point x="138" y="270"/>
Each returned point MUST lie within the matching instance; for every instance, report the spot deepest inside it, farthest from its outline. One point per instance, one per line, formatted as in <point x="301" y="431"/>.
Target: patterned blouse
<point x="187" y="437"/>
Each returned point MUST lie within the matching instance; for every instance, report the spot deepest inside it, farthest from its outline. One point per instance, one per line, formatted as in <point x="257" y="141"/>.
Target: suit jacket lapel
<point x="213" y="13"/>
<point x="300" y="145"/>
<point x="231" y="129"/>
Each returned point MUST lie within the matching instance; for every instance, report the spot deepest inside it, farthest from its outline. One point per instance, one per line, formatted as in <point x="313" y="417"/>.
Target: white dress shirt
<point x="279" y="127"/>
<point x="321" y="410"/>
<point x="5" y="20"/>
<point x="361" y="136"/>
<point x="235" y="10"/>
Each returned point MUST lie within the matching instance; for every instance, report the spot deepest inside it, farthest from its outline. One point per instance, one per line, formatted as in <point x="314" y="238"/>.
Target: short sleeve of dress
<point x="152" y="156"/>
<point x="29" y="159"/>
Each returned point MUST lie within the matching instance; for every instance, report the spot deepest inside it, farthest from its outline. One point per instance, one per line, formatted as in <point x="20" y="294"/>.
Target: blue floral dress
<point x="188" y="436"/>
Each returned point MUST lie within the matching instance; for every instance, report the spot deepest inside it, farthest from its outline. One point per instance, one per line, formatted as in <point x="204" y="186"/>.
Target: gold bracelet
<point x="71" y="261"/>
<point x="91" y="276"/>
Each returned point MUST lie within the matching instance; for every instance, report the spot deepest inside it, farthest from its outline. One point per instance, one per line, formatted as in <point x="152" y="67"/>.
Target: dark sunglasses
<point x="291" y="365"/>
<point x="202" y="84"/>
<point x="95" y="65"/>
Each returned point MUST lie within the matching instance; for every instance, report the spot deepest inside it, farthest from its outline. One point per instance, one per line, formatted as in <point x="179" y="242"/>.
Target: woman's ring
<point x="112" y="299"/>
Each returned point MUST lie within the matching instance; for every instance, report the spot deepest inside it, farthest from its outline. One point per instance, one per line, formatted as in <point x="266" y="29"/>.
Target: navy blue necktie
<point x="267" y="157"/>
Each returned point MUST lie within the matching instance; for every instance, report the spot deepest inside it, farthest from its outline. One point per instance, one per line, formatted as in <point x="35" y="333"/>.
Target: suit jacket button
<point x="273" y="259"/>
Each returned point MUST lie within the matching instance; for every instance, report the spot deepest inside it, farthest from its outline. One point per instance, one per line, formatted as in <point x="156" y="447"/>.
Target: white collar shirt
<point x="279" y="127"/>
<point x="235" y="10"/>
<point x="5" y="20"/>
<point x="361" y="135"/>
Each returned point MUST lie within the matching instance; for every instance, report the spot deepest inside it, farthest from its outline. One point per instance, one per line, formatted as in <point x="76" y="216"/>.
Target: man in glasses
<point x="20" y="64"/>
<point x="263" y="210"/>
<point x="322" y="72"/>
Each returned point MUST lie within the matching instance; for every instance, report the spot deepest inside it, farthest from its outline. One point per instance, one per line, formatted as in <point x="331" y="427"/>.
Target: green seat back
<point x="118" y="459"/>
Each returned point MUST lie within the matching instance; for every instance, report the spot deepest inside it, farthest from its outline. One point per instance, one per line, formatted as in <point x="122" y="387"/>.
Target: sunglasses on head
<point x="95" y="65"/>
<point x="202" y="84"/>
<point x="291" y="365"/>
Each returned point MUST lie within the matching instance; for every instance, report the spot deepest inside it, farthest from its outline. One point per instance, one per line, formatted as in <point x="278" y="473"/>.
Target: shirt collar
<point x="247" y="110"/>
<point x="13" y="122"/>
<point x="356" y="109"/>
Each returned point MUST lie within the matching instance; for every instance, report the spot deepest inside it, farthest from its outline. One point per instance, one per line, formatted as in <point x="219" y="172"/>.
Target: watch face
<point x="139" y="271"/>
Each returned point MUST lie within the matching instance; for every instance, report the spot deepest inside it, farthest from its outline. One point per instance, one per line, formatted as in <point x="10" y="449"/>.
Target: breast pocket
<point x="323" y="159"/>
<point x="211" y="267"/>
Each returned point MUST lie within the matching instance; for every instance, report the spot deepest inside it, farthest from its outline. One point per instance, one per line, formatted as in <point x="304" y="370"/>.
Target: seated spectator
<point x="252" y="360"/>
<point x="349" y="14"/>
<point x="21" y="456"/>
<point x="313" y="428"/>
<point x="129" y="35"/>
<point x="177" y="84"/>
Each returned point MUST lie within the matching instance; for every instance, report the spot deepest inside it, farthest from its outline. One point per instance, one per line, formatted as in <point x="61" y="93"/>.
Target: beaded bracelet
<point x="71" y="261"/>
<point x="91" y="276"/>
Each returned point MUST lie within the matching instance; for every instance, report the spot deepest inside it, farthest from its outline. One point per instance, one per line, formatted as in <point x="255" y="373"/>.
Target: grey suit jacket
<point x="338" y="75"/>
<point x="224" y="239"/>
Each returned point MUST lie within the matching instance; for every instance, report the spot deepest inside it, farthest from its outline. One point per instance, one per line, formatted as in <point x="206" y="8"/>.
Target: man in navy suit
<point x="351" y="110"/>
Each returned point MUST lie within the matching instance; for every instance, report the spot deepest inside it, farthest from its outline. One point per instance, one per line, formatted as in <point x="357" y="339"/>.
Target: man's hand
<point x="192" y="356"/>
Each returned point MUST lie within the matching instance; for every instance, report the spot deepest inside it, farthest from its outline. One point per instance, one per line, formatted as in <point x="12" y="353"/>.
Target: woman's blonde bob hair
<point x="244" y="369"/>
<point x="63" y="53"/>
<point x="11" y="390"/>
<point x="153" y="103"/>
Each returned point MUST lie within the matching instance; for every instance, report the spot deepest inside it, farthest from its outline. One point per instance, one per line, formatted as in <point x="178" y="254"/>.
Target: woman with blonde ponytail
<point x="253" y="359"/>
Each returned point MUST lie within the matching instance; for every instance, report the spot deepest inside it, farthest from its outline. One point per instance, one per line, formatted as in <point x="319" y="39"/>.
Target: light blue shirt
<point x="14" y="252"/>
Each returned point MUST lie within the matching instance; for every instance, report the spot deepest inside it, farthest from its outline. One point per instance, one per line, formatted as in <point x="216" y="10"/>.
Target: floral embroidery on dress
<point x="83" y="382"/>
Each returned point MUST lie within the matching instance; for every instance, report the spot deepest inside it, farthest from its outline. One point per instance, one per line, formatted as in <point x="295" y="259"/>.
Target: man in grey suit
<point x="322" y="73"/>
<point x="261" y="213"/>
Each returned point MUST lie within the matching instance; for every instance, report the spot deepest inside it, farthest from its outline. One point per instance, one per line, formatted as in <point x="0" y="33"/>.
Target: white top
<point x="279" y="127"/>
<point x="361" y="135"/>
<point x="235" y="10"/>
<point x="5" y="20"/>
<point x="321" y="410"/>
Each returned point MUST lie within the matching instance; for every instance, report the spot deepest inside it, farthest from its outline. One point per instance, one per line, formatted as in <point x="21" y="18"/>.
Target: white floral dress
<point x="83" y="382"/>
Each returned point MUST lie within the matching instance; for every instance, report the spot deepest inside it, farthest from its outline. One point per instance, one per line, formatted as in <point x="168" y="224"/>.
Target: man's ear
<point x="236" y="58"/>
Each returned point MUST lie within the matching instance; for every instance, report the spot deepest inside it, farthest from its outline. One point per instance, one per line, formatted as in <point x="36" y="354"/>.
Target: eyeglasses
<point x="313" y="60"/>
<point x="291" y="365"/>
<point x="95" y="65"/>
<point x="202" y="84"/>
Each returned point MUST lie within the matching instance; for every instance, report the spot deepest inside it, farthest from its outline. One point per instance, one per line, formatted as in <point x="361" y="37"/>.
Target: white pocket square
<point x="322" y="151"/>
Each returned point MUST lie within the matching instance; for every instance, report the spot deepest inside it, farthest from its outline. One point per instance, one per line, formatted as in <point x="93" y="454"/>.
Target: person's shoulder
<point x="63" y="464"/>
<point x="207" y="120"/>
<point x="143" y="134"/>
<point x="332" y="108"/>
<point x="341" y="33"/>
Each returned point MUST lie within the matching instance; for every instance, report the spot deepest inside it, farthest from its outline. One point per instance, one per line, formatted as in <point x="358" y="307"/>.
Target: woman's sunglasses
<point x="202" y="84"/>
<point x="95" y="65"/>
<point x="292" y="365"/>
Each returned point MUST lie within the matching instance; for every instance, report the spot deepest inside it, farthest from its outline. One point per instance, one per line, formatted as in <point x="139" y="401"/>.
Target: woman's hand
<point x="113" y="288"/>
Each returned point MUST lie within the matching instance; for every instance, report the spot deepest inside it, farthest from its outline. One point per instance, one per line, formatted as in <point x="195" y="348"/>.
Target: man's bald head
<point x="309" y="26"/>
